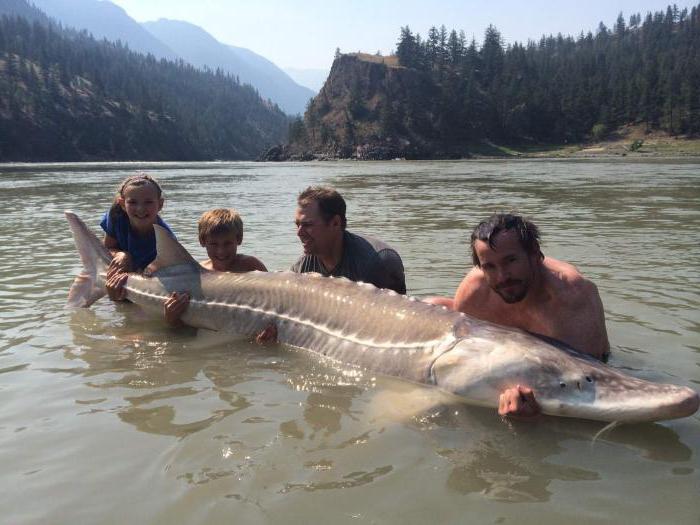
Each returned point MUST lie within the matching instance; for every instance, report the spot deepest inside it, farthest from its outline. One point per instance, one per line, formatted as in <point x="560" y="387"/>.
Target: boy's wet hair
<point x="140" y="179"/>
<point x="220" y="221"/>
<point x="330" y="202"/>
<point x="487" y="230"/>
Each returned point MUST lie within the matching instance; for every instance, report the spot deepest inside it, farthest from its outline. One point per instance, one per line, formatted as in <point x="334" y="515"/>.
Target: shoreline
<point x="630" y="141"/>
<point x="648" y="148"/>
<point x="687" y="157"/>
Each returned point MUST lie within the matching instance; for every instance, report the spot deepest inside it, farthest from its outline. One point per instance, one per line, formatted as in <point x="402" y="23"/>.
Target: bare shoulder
<point x="472" y="292"/>
<point x="566" y="278"/>
<point x="248" y="263"/>
<point x="577" y="295"/>
<point x="207" y="265"/>
<point x="563" y="270"/>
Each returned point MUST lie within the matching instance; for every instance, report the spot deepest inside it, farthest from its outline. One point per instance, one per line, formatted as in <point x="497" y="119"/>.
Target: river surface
<point x="108" y="416"/>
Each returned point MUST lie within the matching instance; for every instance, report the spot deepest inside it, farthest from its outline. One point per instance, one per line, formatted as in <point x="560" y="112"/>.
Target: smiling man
<point x="513" y="284"/>
<point x="331" y="250"/>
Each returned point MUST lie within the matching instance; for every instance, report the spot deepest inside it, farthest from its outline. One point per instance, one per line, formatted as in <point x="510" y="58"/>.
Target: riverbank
<point x="630" y="141"/>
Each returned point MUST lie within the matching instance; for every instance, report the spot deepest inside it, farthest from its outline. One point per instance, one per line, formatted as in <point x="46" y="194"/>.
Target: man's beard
<point x="510" y="293"/>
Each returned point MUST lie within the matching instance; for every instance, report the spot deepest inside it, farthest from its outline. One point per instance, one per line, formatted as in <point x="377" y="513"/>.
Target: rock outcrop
<point x="370" y="108"/>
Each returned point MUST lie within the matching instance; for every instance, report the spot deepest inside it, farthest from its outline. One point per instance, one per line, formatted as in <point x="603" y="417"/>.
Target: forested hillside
<point x="564" y="88"/>
<point x="441" y="94"/>
<point x="65" y="96"/>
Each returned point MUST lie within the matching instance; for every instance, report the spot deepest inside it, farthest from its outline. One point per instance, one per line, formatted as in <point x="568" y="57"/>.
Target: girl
<point x="128" y="227"/>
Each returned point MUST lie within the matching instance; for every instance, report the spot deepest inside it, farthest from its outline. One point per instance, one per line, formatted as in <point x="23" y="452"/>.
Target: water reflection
<point x="520" y="464"/>
<point x="511" y="478"/>
<point x="139" y="354"/>
<point x="517" y="461"/>
<point x="350" y="480"/>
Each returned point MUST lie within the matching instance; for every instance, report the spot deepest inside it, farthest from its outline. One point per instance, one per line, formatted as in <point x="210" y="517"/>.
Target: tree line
<point x="643" y="70"/>
<point x="66" y="96"/>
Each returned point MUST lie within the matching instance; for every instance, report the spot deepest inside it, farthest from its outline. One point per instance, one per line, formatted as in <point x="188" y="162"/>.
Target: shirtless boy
<point x="221" y="233"/>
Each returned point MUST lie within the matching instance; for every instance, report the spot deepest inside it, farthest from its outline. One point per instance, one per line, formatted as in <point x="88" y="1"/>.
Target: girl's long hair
<point x="140" y="179"/>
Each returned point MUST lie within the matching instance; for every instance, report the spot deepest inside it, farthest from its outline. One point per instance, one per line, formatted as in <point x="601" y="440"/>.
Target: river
<point x="109" y="416"/>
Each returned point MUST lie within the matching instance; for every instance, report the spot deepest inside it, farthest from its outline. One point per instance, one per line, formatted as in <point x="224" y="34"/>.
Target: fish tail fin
<point x="88" y="286"/>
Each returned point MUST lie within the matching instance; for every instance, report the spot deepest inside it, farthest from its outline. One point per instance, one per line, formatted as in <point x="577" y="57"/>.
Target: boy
<point x="220" y="232"/>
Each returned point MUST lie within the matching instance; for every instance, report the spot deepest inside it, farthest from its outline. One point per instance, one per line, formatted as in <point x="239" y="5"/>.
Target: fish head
<point x="564" y="383"/>
<point x="591" y="390"/>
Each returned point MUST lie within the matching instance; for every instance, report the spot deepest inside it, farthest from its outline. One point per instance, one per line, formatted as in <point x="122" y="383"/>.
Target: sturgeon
<point x="378" y="330"/>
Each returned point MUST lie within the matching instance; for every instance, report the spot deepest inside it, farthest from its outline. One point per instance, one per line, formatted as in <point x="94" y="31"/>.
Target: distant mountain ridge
<point x="199" y="48"/>
<point x="105" y="20"/>
<point x="65" y="96"/>
<point x="175" y="40"/>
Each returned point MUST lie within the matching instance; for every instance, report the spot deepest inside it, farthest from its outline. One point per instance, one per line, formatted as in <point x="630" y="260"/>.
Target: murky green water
<point x="108" y="416"/>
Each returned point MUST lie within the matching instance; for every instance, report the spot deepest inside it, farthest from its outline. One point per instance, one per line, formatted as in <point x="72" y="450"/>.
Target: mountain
<point x="200" y="49"/>
<point x="311" y="78"/>
<point x="105" y="20"/>
<point x="174" y="40"/>
<point x="65" y="96"/>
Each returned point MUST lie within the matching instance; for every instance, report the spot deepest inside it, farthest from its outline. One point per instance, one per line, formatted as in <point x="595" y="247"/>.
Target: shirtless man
<point x="514" y="284"/>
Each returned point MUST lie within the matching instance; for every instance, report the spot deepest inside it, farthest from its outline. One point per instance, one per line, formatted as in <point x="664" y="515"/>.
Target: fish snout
<point x="637" y="400"/>
<point x="688" y="404"/>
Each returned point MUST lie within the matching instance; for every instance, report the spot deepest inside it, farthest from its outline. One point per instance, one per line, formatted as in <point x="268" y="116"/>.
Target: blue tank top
<point x="141" y="248"/>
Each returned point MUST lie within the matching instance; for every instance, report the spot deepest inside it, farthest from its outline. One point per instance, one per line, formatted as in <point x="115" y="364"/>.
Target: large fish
<point x="358" y="324"/>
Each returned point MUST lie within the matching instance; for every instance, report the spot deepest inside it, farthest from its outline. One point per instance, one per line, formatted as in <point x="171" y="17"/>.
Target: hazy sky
<point x="305" y="33"/>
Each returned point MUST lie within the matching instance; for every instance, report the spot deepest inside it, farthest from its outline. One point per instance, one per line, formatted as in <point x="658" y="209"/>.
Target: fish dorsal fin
<point x="169" y="252"/>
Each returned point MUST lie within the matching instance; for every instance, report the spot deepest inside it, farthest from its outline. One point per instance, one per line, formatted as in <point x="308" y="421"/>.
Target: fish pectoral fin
<point x="404" y="402"/>
<point x="211" y="338"/>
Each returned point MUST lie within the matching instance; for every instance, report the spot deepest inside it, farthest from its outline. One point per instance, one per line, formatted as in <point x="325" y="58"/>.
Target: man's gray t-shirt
<point x="364" y="259"/>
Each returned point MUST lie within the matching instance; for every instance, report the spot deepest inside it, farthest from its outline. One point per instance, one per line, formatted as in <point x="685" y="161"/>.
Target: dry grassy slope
<point x="652" y="143"/>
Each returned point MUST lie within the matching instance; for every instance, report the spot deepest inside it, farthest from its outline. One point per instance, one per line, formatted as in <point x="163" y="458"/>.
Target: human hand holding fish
<point x="519" y="402"/>
<point x="267" y="336"/>
<point x="115" y="285"/>
<point x="121" y="262"/>
<point x="174" y="306"/>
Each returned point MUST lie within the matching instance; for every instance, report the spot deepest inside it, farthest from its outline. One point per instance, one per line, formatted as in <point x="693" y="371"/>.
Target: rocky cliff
<point x="370" y="108"/>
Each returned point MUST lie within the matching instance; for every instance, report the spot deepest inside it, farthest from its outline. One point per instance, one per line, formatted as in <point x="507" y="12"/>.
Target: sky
<point x="305" y="33"/>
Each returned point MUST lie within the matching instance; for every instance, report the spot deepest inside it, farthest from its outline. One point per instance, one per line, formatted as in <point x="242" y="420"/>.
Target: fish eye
<point x="588" y="378"/>
<point x="562" y="384"/>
